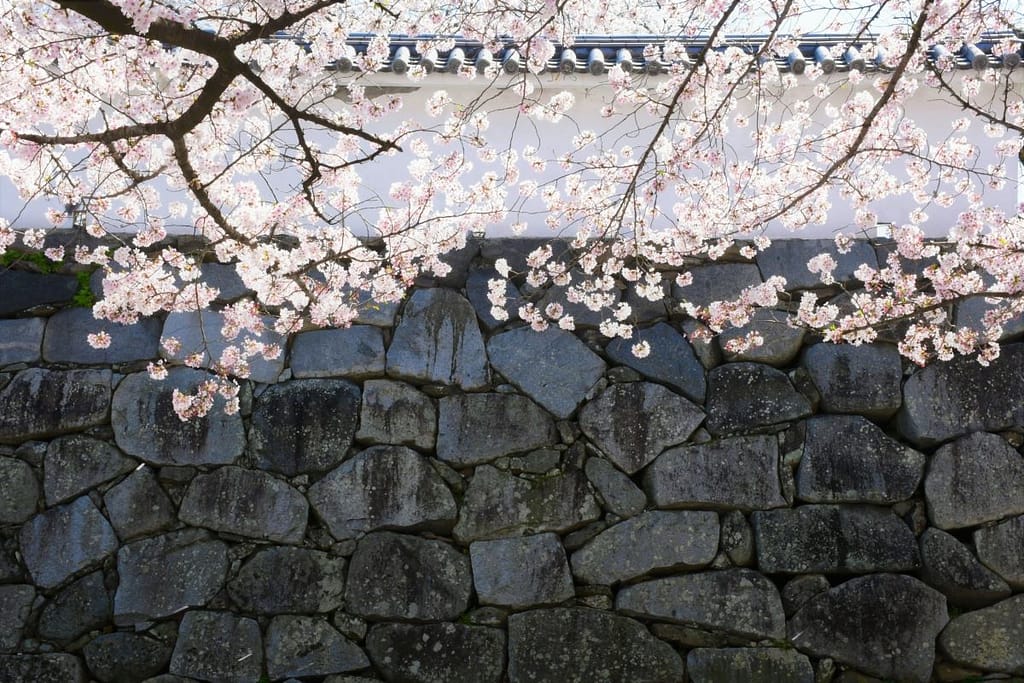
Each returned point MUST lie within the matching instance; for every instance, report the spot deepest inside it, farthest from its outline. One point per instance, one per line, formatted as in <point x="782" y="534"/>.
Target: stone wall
<point x="434" y="496"/>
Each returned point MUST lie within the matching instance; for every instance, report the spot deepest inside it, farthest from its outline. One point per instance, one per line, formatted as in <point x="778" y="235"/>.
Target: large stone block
<point x="356" y="353"/>
<point x="218" y="646"/>
<point x="309" y="646"/>
<point x="15" y="605"/>
<point x="138" y="506"/>
<point x="476" y="291"/>
<point x="24" y="290"/>
<point x="671" y="361"/>
<point x="21" y="340"/>
<point x="48" y="668"/>
<point x="19" y="491"/>
<point x="743" y="397"/>
<point x="40" y="403"/>
<point x="788" y="258"/>
<point x="76" y="463"/>
<point x="990" y="639"/>
<point x="437" y="653"/>
<point x="65" y="539"/>
<point x="66" y="332"/>
<point x="478" y="428"/>
<point x="780" y="341"/>
<point x="619" y="495"/>
<point x="856" y="379"/>
<point x="396" y="413"/>
<point x="748" y="665"/>
<point x="121" y="656"/>
<point x="1001" y="548"/>
<point x="84" y="605"/>
<point x="200" y="333"/>
<point x="952" y="569"/>
<point x="282" y="580"/>
<point x="717" y="282"/>
<point x="521" y="572"/>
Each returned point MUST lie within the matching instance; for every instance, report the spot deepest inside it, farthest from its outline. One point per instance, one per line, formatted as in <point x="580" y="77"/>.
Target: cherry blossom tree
<point x="250" y="122"/>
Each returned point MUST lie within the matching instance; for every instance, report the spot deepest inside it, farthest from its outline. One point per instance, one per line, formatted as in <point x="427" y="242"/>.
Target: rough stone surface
<point x="717" y="282"/>
<point x="619" y="495"/>
<point x="990" y="639"/>
<point x="883" y="624"/>
<point x="833" y="539"/>
<point x="138" y="506"/>
<point x="477" y="428"/>
<point x="247" y="503"/>
<point x="671" y="362"/>
<point x="309" y="646"/>
<point x="384" y="487"/>
<point x="146" y="426"/>
<point x="739" y="472"/>
<point x="735" y="601"/>
<point x="558" y="645"/>
<point x="745" y="396"/>
<point x="781" y="342"/>
<point x="953" y="570"/>
<point x="81" y="607"/>
<point x="583" y="318"/>
<point x="437" y="653"/>
<point x="856" y="379"/>
<point x="408" y="578"/>
<point x="438" y="341"/>
<point x="1001" y="549"/>
<point x="653" y="541"/>
<point x="737" y="538"/>
<point x="304" y="426"/>
<point x="502" y="504"/>
<point x="200" y="333"/>
<point x="788" y="258"/>
<point x="282" y="580"/>
<point x="396" y="413"/>
<point x="225" y="278"/>
<point x="356" y="352"/>
<point x="15" y="605"/>
<point x="47" y="668"/>
<point x="977" y="478"/>
<point x="21" y="340"/>
<point x="476" y="292"/>
<point x="748" y="665"/>
<point x="65" y="539"/>
<point x="521" y="572"/>
<point x="553" y="367"/>
<point x="66" y="332"/>
<point x="633" y="423"/>
<point x="77" y="463"/>
<point x="800" y="589"/>
<point x="24" y="290"/>
<point x="218" y="646"/>
<point x="125" y="657"/>
<point x="40" y="403"/>
<point x="19" y="491"/>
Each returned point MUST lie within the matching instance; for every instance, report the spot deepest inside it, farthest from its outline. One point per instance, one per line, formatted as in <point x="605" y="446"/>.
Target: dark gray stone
<point x="163" y="575"/>
<point x="396" y="413"/>
<point x="737" y="538"/>
<point x="40" y="403"/>
<point x="800" y="589"/>
<point x="671" y="362"/>
<point x="372" y="312"/>
<point x="217" y="646"/>
<point x="138" y="506"/>
<point x="476" y="292"/>
<point x="81" y="607"/>
<point x="10" y="569"/>
<point x="502" y="504"/>
<point x="304" y="426"/>
<point x="65" y="539"/>
<point x="953" y="570"/>
<point x="559" y="645"/>
<point x="146" y="426"/>
<point x="748" y="665"/>
<point x="717" y="282"/>
<point x="48" y="668"/>
<point x="977" y="478"/>
<point x="739" y="472"/>
<point x="356" y="353"/>
<point x="970" y="312"/>
<point x="23" y="290"/>
<point x="633" y="423"/>
<point x="437" y="653"/>
<point x="384" y="487"/>
<point x="309" y="646"/>
<point x="66" y="332"/>
<point x="833" y="539"/>
<point x="125" y="657"/>
<point x="281" y="580"/>
<point x="847" y="459"/>
<point x="618" y="493"/>
<point x="990" y="639"/>
<point x="200" y="333"/>
<point x="856" y="379"/>
<point x="247" y="503"/>
<point x="1001" y="548"/>
<point x="788" y="258"/>
<point x="883" y="624"/>
<point x="77" y="463"/>
<point x="781" y="341"/>
<point x="521" y="572"/>
<point x="477" y="428"/>
<point x="553" y="367"/>
<point x="15" y="605"/>
<point x="438" y="341"/>
<point x="583" y="317"/>
<point x="407" y="578"/>
<point x="21" y="340"/>
<point x="225" y="279"/>
<point x="19" y="491"/>
<point x="746" y="396"/>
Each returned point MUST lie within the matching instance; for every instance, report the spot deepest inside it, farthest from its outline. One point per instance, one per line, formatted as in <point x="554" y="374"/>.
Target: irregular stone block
<point x="225" y="279"/>
<point x="788" y="258"/>
<point x="618" y="493"/>
<point x="862" y="379"/>
<point x="559" y="645"/>
<point x="781" y="341"/>
<point x="19" y="491"/>
<point x="66" y="332"/>
<point x="309" y="646"/>
<point x="77" y="463"/>
<point x="521" y="572"/>
<point x="24" y="290"/>
<point x="633" y="423"/>
<point x="476" y="292"/>
<point x="671" y="362"/>
<point x="800" y="589"/>
<point x="48" y="668"/>
<point x="21" y="340"/>
<point x="39" y="404"/>
<point x="247" y="503"/>
<point x="477" y="428"/>
<point x="883" y="624"/>
<point x="218" y="646"/>
<point x="356" y="353"/>
<point x="745" y="396"/>
<point x="396" y="413"/>
<point x="977" y="478"/>
<point x="949" y="567"/>
<point x="833" y="539"/>
<point x="304" y="425"/>
<point x="583" y="317"/>
<point x="717" y="282"/>
<point x="735" y="601"/>
<point x="748" y="665"/>
<point x="120" y="656"/>
<point x="971" y="310"/>
<point x="656" y="540"/>
<point x="739" y="472"/>
<point x="437" y="653"/>
<point x="280" y="580"/>
<point x="65" y="539"/>
<point x="392" y="576"/>
<point x="146" y="426"/>
<point x="438" y="341"/>
<point x="990" y="639"/>
<point x="15" y="605"/>
<point x="553" y="367"/>
<point x="389" y="487"/>
<point x="372" y="312"/>
<point x="138" y="506"/>
<point x="200" y="333"/>
<point x="81" y="607"/>
<point x="1001" y="548"/>
<point x="737" y="538"/>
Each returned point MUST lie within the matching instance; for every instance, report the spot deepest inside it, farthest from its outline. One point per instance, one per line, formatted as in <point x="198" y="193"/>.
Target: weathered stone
<point x="977" y="478"/>
<point x="583" y="317"/>
<point x="24" y="290"/>
<point x="971" y="310"/>
<point x="1001" y="548"/>
<point x="280" y="580"/>
<point x="847" y="459"/>
<point x="477" y="428"/>
<point x="633" y="423"/>
<point x="19" y="491"/>
<point x="788" y="258"/>
<point x="737" y="538"/>
<point x="15" y="605"/>
<point x="384" y="487"/>
<point x="437" y="653"/>
<point x="66" y="332"/>
<point x="502" y="504"/>
<point x="856" y="379"/>
<point x="521" y="572"/>
<point x="65" y="539"/>
<point x="746" y="396"/>
<point x="717" y="282"/>
<point x="125" y="657"/>
<point x="392" y="576"/>
<point x="309" y="646"/>
<point x="780" y="344"/>
<point x="356" y="352"/>
<point x="477" y="289"/>
<point x="81" y="607"/>
<point x="21" y="340"/>
<point x="748" y="665"/>
<point x="396" y="413"/>
<point x="76" y="463"/>
<point x="40" y="403"/>
<point x="146" y="426"/>
<point x="739" y="472"/>
<point x="200" y="333"/>
<point x="438" y="341"/>
<point x="372" y="312"/>
<point x="553" y="367"/>
<point x="951" y="568"/>
<point x="225" y="279"/>
<point x="540" y="461"/>
<point x="833" y="539"/>
<point x="735" y="601"/>
<point x="559" y="645"/>
<point x="218" y="646"/>
<point x="671" y="362"/>
<point x="883" y="624"/>
<point x="991" y="639"/>
<point x="618" y="493"/>
<point x="48" y="668"/>
<point x="304" y="425"/>
<point x="800" y="589"/>
<point x="163" y="575"/>
<point x="653" y="541"/>
<point x="247" y="503"/>
<point x="138" y="506"/>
